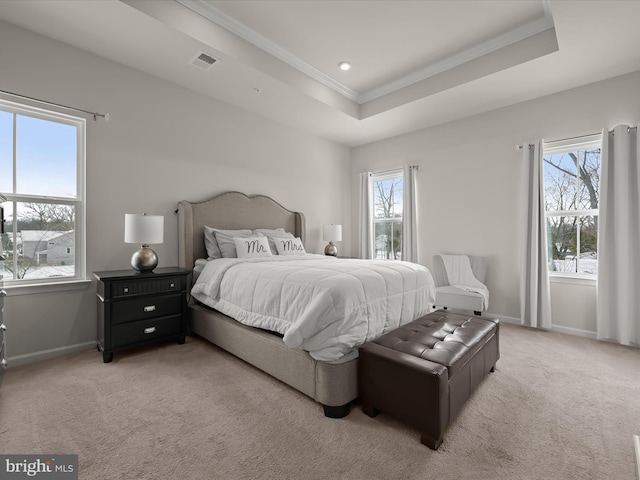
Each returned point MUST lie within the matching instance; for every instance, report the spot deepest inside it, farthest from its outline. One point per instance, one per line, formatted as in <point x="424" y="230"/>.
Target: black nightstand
<point x="137" y="308"/>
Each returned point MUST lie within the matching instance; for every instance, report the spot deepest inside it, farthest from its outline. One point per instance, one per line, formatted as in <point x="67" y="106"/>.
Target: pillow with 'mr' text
<point x="249" y="247"/>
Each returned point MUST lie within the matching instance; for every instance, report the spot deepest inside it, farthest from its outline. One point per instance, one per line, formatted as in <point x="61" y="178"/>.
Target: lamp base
<point x="144" y="260"/>
<point x="331" y="250"/>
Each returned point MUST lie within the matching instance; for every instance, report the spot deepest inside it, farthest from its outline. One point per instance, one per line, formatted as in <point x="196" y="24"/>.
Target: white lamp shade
<point x="332" y="233"/>
<point x="143" y="229"/>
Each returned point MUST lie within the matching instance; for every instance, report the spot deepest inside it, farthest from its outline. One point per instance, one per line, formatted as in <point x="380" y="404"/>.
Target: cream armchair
<point x="459" y="288"/>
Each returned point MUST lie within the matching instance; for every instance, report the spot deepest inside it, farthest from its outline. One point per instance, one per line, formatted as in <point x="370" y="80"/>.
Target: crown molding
<point x="211" y="13"/>
<point x="208" y="11"/>
<point x="477" y="51"/>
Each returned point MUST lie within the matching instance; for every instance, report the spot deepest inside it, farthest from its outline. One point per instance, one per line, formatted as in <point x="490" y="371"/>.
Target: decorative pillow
<point x="290" y="246"/>
<point x="210" y="243"/>
<point x="224" y="241"/>
<point x="272" y="234"/>
<point x="248" y="247"/>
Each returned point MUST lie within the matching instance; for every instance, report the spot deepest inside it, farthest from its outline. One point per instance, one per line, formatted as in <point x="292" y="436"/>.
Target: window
<point x="571" y="184"/>
<point x="387" y="215"/>
<point x="42" y="158"/>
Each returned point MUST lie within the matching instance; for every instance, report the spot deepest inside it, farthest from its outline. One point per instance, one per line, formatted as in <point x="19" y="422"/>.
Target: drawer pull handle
<point x="149" y="329"/>
<point x="149" y="308"/>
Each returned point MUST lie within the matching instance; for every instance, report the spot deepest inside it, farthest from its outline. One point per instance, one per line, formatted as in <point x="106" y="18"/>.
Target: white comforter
<point x="321" y="304"/>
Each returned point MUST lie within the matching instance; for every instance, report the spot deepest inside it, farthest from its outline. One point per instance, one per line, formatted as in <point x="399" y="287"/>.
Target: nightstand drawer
<point x="130" y="287"/>
<point x="146" y="307"/>
<point x="145" y="330"/>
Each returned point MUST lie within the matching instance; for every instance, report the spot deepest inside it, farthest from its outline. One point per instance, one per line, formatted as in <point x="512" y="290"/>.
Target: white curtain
<point x="365" y="219"/>
<point x="618" y="304"/>
<point x="409" y="215"/>
<point x="535" y="298"/>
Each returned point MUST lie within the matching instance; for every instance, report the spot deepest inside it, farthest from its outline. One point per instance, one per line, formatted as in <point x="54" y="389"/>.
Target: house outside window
<point x="387" y="215"/>
<point x="42" y="162"/>
<point x="571" y="183"/>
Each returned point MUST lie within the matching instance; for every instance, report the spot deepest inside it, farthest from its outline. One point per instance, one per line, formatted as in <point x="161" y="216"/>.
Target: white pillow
<point x="290" y="246"/>
<point x="272" y="234"/>
<point x="210" y="242"/>
<point x="224" y="239"/>
<point x="249" y="247"/>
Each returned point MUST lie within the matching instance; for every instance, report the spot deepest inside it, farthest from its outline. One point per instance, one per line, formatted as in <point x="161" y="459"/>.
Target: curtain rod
<point x="520" y="147"/>
<point x="95" y="114"/>
<point x="394" y="170"/>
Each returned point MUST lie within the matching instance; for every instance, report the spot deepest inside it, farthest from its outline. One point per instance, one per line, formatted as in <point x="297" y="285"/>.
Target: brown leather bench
<point x="423" y="373"/>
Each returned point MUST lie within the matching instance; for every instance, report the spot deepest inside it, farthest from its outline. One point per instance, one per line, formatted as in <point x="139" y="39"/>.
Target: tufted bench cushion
<point x="423" y="373"/>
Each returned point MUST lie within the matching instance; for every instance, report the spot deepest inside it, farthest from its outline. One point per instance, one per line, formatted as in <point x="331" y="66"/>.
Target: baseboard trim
<point x="554" y="328"/>
<point x="48" y="354"/>
<point x="502" y="318"/>
<point x="81" y="347"/>
<point x="578" y="332"/>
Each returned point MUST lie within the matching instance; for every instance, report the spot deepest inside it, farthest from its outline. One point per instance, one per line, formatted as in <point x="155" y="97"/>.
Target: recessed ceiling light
<point x="344" y="65"/>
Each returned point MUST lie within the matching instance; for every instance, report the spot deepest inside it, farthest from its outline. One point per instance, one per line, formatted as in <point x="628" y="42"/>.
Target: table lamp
<point x="331" y="233"/>
<point x="143" y="229"/>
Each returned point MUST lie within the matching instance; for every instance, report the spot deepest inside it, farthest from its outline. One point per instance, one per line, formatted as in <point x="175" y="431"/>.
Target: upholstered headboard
<point x="230" y="211"/>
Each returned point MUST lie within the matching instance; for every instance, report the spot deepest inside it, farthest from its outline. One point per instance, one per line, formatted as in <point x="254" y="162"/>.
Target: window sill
<point x="586" y="280"/>
<point x="34" y="288"/>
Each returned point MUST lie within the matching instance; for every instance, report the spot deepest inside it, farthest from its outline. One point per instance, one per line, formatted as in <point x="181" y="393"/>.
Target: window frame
<point x="79" y="202"/>
<point x="381" y="176"/>
<point x="582" y="143"/>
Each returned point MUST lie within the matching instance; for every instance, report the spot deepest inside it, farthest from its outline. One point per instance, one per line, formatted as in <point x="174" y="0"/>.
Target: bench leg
<point x="336" y="412"/>
<point x="370" y="410"/>
<point x="430" y="442"/>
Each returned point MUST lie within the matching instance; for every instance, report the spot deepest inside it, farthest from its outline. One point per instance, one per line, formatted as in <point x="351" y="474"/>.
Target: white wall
<point x="161" y="145"/>
<point x="164" y="143"/>
<point x="469" y="197"/>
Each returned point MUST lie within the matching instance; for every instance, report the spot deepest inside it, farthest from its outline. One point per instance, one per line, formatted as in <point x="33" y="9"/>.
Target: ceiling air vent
<point x="203" y="60"/>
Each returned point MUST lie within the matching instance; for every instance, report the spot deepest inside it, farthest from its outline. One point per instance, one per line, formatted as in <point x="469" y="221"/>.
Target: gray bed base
<point x="332" y="385"/>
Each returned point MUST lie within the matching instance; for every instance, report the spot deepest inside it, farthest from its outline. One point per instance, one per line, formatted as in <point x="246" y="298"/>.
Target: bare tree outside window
<point x="387" y="216"/>
<point x="45" y="241"/>
<point x="571" y="180"/>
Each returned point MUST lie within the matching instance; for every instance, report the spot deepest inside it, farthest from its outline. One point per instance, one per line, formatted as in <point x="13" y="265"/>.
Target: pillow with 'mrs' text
<point x="273" y="234"/>
<point x="289" y="246"/>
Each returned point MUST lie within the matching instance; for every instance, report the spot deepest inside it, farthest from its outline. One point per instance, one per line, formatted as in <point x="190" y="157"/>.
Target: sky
<point x="45" y="156"/>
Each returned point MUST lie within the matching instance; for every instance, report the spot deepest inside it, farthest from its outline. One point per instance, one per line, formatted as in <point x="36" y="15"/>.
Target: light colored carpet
<point x="557" y="407"/>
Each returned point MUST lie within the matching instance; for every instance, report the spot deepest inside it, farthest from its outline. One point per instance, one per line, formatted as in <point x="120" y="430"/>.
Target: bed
<point x="331" y="383"/>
